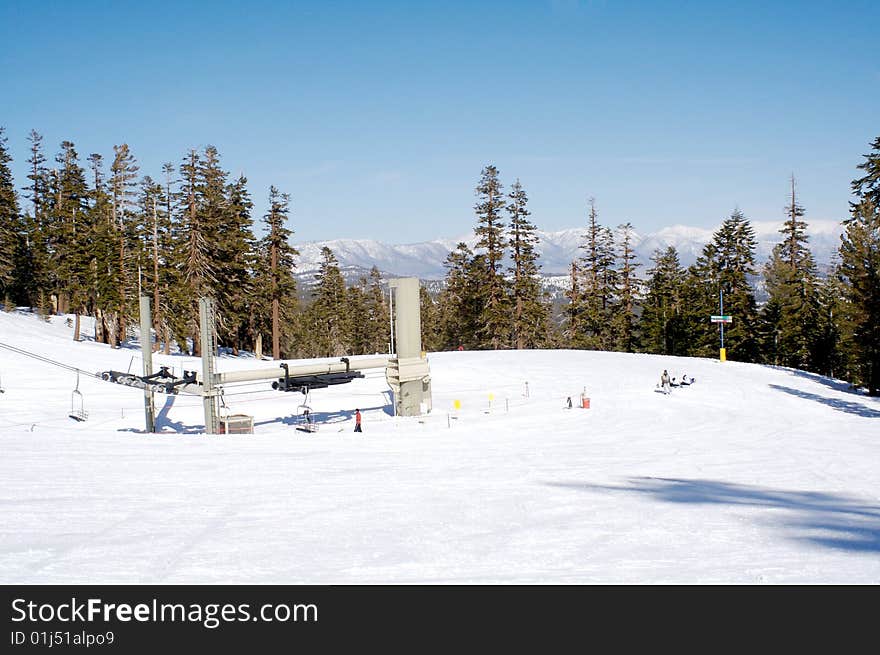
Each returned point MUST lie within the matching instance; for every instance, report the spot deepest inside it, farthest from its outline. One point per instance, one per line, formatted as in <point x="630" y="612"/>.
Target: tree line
<point x="87" y="240"/>
<point x="827" y="324"/>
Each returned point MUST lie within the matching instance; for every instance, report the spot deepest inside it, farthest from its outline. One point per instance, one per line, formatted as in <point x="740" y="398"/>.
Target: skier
<point x="684" y="380"/>
<point x="357" y="420"/>
<point x="664" y="382"/>
<point x="569" y="402"/>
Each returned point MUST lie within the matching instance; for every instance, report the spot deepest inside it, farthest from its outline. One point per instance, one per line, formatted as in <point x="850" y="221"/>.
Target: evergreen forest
<point x="86" y="236"/>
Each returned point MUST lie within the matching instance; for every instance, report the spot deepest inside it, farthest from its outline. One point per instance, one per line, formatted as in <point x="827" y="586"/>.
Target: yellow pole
<point x="723" y="354"/>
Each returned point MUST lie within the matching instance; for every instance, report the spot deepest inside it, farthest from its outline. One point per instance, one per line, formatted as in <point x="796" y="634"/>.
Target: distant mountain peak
<point x="557" y="249"/>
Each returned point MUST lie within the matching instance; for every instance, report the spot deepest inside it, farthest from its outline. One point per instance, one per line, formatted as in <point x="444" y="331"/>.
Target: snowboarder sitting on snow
<point x="664" y="381"/>
<point x="357" y="420"/>
<point x="684" y="380"/>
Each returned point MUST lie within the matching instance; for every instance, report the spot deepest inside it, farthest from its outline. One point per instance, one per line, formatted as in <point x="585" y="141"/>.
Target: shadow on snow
<point x="831" y="383"/>
<point x="166" y="425"/>
<point x="321" y="418"/>
<point x="840" y="405"/>
<point x="828" y="520"/>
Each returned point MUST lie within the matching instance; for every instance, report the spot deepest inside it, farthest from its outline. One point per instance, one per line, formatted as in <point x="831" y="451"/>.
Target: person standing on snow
<point x="357" y="420"/>
<point x="664" y="381"/>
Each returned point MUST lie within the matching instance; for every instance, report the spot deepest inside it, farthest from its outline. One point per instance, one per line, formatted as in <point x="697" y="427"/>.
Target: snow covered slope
<point x="751" y="475"/>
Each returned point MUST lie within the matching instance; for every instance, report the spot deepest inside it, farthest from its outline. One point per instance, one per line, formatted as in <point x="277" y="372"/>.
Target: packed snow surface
<point x="753" y="474"/>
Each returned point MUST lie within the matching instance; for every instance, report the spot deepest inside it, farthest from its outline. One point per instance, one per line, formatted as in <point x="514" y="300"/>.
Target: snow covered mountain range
<point x="556" y="249"/>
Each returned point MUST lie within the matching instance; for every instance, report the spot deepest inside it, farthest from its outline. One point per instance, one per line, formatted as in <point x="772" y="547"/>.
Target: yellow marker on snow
<point x="723" y="354"/>
<point x="456" y="404"/>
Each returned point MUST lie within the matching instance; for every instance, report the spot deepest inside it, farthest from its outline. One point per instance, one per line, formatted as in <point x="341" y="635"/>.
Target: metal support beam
<point x="209" y="347"/>
<point x="318" y="368"/>
<point x="408" y="374"/>
<point x="147" y="356"/>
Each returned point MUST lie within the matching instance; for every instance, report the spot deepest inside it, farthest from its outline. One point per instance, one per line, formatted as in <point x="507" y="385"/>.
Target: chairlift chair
<point x="77" y="407"/>
<point x="306" y="422"/>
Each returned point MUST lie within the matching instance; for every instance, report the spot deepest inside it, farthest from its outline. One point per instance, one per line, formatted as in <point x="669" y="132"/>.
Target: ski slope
<point x="753" y="475"/>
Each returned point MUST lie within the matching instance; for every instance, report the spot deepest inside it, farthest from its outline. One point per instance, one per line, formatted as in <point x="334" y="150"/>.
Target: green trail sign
<point x="723" y="318"/>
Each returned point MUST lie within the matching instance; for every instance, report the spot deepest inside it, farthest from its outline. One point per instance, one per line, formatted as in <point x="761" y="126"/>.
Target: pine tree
<point x="430" y="321"/>
<point x="197" y="268"/>
<point x="326" y="314"/>
<point x="661" y="322"/>
<point x="860" y="268"/>
<point x="356" y="330"/>
<point x="868" y="186"/>
<point x="152" y="227"/>
<point x="572" y="327"/>
<point x="278" y="266"/>
<point x="35" y="255"/>
<point x="103" y="264"/>
<point x="790" y="316"/>
<point x="829" y="356"/>
<point x="725" y="266"/>
<point x="700" y="300"/>
<point x="171" y="271"/>
<point x="236" y="252"/>
<point x="623" y="314"/>
<point x="529" y="322"/>
<point x="794" y="248"/>
<point x="596" y="286"/>
<point x="123" y="181"/>
<point x="462" y="300"/>
<point x="212" y="210"/>
<point x="376" y="314"/>
<point x="10" y="226"/>
<point x="67" y="229"/>
<point x="490" y="237"/>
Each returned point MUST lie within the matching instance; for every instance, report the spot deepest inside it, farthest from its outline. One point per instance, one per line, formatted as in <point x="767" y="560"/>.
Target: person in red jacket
<point x="357" y="420"/>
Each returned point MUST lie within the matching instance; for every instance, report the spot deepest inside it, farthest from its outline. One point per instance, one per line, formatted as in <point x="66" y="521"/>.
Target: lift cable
<point x="47" y="360"/>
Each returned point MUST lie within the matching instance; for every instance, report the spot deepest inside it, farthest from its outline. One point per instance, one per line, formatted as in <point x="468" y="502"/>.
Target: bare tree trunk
<point x="111" y="328"/>
<point x="157" y="317"/>
<point x="276" y="336"/>
<point x="100" y="337"/>
<point x="122" y="325"/>
<point x="76" y="328"/>
<point x="276" y="340"/>
<point x="258" y="346"/>
<point x="520" y="337"/>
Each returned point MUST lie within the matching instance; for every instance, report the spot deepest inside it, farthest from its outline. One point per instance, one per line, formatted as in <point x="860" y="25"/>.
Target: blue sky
<point x="377" y="117"/>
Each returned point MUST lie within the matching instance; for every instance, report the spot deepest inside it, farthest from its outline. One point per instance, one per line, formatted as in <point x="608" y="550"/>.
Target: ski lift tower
<point x="407" y="372"/>
<point x="208" y="336"/>
<point x="147" y="356"/>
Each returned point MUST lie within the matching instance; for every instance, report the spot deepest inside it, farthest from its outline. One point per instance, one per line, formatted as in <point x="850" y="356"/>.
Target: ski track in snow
<point x="754" y="474"/>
